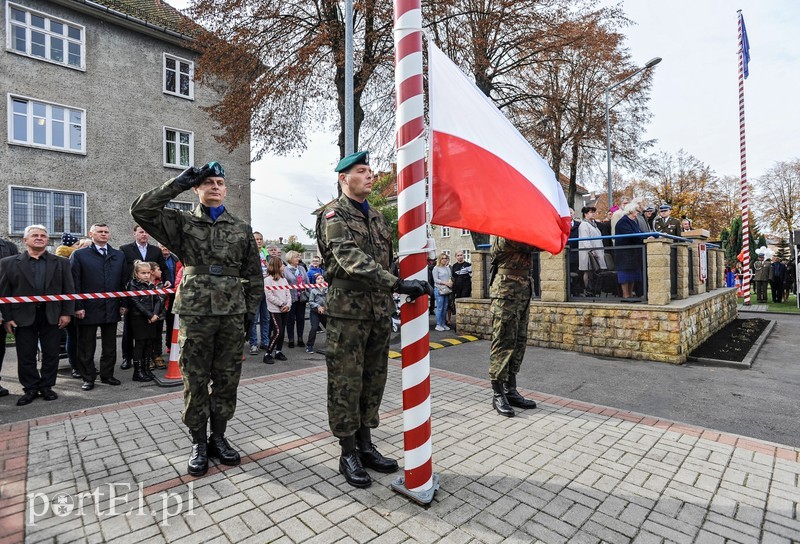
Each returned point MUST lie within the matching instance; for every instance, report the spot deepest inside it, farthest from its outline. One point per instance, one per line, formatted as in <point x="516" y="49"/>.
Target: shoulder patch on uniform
<point x="330" y="214"/>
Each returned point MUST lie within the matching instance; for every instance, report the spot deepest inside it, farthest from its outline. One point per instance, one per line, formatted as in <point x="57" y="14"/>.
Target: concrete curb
<point x="745" y="363"/>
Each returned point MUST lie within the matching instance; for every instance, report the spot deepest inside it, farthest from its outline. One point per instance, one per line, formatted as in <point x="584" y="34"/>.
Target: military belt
<point x="513" y="271"/>
<point x="349" y="284"/>
<point x="212" y="270"/>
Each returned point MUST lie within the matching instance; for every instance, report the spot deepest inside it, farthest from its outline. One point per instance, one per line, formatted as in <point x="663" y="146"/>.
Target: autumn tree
<point x="280" y="67"/>
<point x="778" y="196"/>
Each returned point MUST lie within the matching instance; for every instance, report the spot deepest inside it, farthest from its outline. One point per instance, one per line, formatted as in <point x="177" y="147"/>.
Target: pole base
<point x="423" y="498"/>
<point x="167" y="382"/>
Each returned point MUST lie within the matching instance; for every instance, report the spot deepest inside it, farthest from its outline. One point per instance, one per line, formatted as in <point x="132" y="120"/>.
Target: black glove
<point x="413" y="288"/>
<point x="187" y="179"/>
<point x="249" y="319"/>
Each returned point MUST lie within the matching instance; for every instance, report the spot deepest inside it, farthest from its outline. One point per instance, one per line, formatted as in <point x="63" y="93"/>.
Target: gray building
<point x="100" y="104"/>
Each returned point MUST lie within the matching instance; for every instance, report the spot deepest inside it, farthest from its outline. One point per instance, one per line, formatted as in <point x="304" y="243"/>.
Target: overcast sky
<point x="694" y="101"/>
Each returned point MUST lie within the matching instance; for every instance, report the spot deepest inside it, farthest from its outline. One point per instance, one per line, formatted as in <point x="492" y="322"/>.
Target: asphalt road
<point x="761" y="402"/>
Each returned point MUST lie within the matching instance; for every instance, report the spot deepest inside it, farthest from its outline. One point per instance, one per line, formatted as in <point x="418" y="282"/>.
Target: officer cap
<point x="650" y="209"/>
<point x="362" y="157"/>
<point x="664" y="207"/>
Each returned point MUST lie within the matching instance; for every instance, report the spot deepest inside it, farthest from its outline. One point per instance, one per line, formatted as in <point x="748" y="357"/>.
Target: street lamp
<point x="650" y="64"/>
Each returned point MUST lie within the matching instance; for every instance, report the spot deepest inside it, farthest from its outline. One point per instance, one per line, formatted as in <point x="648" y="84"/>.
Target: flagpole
<point x="418" y="483"/>
<point x="743" y="160"/>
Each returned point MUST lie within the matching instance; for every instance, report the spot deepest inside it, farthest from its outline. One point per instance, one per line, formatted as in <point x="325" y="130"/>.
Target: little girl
<point x="279" y="302"/>
<point x="145" y="312"/>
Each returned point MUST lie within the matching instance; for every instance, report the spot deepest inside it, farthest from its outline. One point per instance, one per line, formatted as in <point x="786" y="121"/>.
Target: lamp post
<point x="650" y="64"/>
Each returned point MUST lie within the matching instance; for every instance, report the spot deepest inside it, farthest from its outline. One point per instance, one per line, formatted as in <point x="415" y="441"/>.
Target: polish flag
<point x="484" y="175"/>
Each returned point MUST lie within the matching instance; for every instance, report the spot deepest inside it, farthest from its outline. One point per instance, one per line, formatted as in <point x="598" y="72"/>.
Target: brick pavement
<point x="566" y="472"/>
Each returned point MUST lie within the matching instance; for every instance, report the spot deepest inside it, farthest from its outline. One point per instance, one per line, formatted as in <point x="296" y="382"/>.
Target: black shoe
<point x="88" y="386"/>
<point x="139" y="375"/>
<point x="350" y="466"/>
<point x="110" y="381"/>
<point x="280" y="356"/>
<point x="48" y="394"/>
<point x="268" y="359"/>
<point x="198" y="460"/>
<point x="219" y="448"/>
<point x="3" y="391"/>
<point x="499" y="401"/>
<point x="76" y="374"/>
<point x="371" y="458"/>
<point x="301" y="344"/>
<point x="513" y="396"/>
<point x="126" y="364"/>
<point x="291" y="343"/>
<point x="27" y="398"/>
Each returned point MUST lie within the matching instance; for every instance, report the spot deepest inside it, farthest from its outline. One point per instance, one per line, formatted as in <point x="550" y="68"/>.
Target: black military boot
<point x="513" y="396"/>
<point x="219" y="448"/>
<point x="350" y="464"/>
<point x="499" y="400"/>
<point x="138" y="374"/>
<point x="370" y="456"/>
<point x="198" y="461"/>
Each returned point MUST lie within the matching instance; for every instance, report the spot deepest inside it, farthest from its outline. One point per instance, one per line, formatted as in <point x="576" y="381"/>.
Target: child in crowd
<point x="145" y="312"/>
<point x="279" y="302"/>
<point x="318" y="310"/>
<point x="155" y="356"/>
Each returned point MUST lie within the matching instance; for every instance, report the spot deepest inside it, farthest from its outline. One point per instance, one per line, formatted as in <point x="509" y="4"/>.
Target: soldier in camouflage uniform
<point x="356" y="245"/>
<point x="217" y="300"/>
<point x="510" y="292"/>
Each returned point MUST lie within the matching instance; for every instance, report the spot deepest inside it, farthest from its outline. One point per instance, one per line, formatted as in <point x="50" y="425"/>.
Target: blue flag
<point x="745" y="46"/>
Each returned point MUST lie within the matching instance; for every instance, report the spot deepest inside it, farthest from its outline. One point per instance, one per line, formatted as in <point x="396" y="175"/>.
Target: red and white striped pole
<point x="743" y="160"/>
<point x="418" y="483"/>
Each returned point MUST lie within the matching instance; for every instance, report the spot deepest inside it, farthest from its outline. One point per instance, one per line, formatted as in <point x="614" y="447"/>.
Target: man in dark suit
<point x="98" y="268"/>
<point x="139" y="250"/>
<point x="36" y="272"/>
<point x="7" y="248"/>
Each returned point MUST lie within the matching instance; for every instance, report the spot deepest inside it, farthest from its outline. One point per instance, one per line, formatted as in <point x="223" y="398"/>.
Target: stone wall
<point x="631" y="331"/>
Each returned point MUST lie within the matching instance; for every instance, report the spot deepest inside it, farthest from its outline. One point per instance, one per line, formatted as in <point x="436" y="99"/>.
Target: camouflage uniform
<point x="211" y="307"/>
<point x="510" y="293"/>
<point x="762" y="274"/>
<point x="357" y="252"/>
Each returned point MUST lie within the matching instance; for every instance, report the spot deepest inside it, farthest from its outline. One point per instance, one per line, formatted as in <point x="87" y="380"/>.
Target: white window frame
<point x="467" y="255"/>
<point x="178" y="132"/>
<point x="48" y="36"/>
<point x="445" y="232"/>
<point x="50" y="213"/>
<point x="177" y="92"/>
<point x="465" y="232"/>
<point x="29" y="117"/>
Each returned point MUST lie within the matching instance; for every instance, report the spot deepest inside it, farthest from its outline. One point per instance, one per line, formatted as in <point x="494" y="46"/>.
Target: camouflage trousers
<point x="357" y="356"/>
<point x="211" y="354"/>
<point x="509" y="336"/>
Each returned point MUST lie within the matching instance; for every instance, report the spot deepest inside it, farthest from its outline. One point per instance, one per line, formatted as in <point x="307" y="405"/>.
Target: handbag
<point x="594" y="262"/>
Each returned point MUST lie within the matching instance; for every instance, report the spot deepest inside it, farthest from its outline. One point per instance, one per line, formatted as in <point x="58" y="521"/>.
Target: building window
<point x="178" y="77"/>
<point x="42" y="124"/>
<point x="178" y="148"/>
<point x="59" y="211"/>
<point x="445" y="232"/>
<point x="467" y="255"/>
<point x="182" y="206"/>
<point x="40" y="36"/>
<point x="465" y="232"/>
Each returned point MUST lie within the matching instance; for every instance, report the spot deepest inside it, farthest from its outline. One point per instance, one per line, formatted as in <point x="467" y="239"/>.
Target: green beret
<point x="362" y="157"/>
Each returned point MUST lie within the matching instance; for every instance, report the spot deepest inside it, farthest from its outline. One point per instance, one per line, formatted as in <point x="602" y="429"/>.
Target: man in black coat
<point x="98" y="268"/>
<point x="7" y="248"/>
<point x="139" y="250"/>
<point x="36" y="272"/>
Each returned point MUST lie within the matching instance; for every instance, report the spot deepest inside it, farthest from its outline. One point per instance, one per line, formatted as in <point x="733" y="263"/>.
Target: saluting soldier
<point x="356" y="245"/>
<point x="216" y="299"/>
<point x="664" y="223"/>
<point x="510" y="294"/>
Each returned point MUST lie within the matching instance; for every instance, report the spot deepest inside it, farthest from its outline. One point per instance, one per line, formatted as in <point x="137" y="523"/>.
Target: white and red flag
<point x="484" y="175"/>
